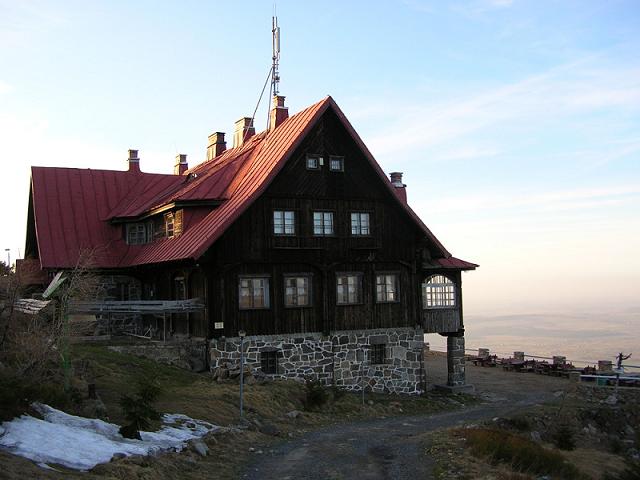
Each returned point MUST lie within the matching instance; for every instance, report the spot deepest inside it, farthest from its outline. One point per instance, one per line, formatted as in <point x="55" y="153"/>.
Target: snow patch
<point x="82" y="443"/>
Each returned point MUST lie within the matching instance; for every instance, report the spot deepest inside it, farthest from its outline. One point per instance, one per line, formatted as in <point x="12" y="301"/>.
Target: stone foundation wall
<point x="343" y="358"/>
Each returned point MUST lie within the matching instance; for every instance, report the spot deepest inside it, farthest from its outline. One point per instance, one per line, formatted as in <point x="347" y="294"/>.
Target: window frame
<point x="319" y="160"/>
<point x="359" y="214"/>
<point x="265" y="288"/>
<point x="339" y="159"/>
<point x="333" y="223"/>
<point x="270" y="360"/>
<point x="396" y="283"/>
<point x="169" y="219"/>
<point x="378" y="354"/>
<point x="284" y="223"/>
<point x="298" y="276"/>
<point x="442" y="295"/>
<point x="146" y="232"/>
<point x="359" y="300"/>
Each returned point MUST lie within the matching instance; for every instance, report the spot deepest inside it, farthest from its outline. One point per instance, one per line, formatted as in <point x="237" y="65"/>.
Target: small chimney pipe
<point x="134" y="161"/>
<point x="279" y="113"/>
<point x="244" y="131"/>
<point x="399" y="187"/>
<point x="181" y="165"/>
<point x="216" y="146"/>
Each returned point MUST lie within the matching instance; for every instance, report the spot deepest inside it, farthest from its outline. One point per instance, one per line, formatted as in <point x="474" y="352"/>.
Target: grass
<point x="197" y="395"/>
<point x="521" y="454"/>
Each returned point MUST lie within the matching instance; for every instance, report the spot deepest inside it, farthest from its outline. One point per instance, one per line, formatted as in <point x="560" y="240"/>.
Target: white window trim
<point x="324" y="224"/>
<point x="338" y="159"/>
<point x="396" y="287"/>
<point x="318" y="161"/>
<point x="358" y="224"/>
<point x="359" y="300"/>
<point x="297" y="295"/>
<point x="283" y="224"/>
<point x="253" y="289"/>
<point x="438" y="292"/>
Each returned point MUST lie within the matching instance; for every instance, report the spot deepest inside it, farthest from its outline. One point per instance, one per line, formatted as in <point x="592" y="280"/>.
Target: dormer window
<point x="336" y="164"/>
<point x="314" y="162"/>
<point x="139" y="233"/>
<point x="172" y="224"/>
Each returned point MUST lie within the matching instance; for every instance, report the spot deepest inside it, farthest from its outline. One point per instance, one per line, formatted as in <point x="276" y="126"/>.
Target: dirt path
<point x="391" y="448"/>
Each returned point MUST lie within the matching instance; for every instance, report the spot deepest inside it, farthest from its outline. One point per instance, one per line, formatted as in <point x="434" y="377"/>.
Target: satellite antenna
<point x="275" y="75"/>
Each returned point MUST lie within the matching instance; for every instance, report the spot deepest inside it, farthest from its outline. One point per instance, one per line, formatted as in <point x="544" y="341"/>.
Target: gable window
<point x="438" y="291"/>
<point x="269" y="362"/>
<point x="349" y="288"/>
<point x="336" y="164"/>
<point x="360" y="223"/>
<point x="314" y="162"/>
<point x="323" y="223"/>
<point x="168" y="225"/>
<point x="284" y="222"/>
<point x="387" y="288"/>
<point x="253" y="292"/>
<point x="139" y="233"/>
<point x="378" y="353"/>
<point x="296" y="291"/>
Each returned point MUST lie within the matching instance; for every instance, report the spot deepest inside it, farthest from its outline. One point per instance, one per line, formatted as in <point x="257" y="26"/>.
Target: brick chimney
<point x="217" y="145"/>
<point x="279" y="113"/>
<point x="134" y="161"/>
<point x="399" y="187"/>
<point x="181" y="165"/>
<point x="244" y="131"/>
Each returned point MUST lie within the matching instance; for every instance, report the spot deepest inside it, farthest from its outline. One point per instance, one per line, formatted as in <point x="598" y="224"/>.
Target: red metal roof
<point x="73" y="207"/>
<point x="452" y="262"/>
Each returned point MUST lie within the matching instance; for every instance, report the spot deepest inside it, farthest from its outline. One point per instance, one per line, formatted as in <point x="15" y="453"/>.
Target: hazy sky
<point x="517" y="124"/>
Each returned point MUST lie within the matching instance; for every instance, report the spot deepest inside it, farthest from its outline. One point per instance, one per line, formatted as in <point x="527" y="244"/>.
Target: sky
<point x="516" y="123"/>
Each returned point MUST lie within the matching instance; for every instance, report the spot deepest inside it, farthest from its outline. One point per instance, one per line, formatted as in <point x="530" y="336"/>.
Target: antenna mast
<point x="275" y="75"/>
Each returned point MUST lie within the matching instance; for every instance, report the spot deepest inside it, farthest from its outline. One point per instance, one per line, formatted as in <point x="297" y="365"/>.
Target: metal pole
<point x="364" y="360"/>
<point x="241" y="376"/>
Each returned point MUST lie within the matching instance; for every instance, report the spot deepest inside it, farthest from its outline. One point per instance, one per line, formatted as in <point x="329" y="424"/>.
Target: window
<point x="360" y="223"/>
<point x="296" y="291"/>
<point x="269" y="362"/>
<point x="336" y="164"/>
<point x="168" y="225"/>
<point x="284" y="222"/>
<point x="254" y="292"/>
<point x="323" y="223"/>
<point x="438" y="292"/>
<point x="314" y="162"/>
<point x="139" y="233"/>
<point x="378" y="353"/>
<point x="349" y="288"/>
<point x="123" y="291"/>
<point x="387" y="288"/>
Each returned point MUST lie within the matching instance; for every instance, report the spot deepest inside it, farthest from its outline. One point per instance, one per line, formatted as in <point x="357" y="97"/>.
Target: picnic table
<point x="490" y="361"/>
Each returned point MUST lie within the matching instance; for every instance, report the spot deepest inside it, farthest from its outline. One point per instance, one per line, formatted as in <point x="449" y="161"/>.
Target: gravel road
<point x="391" y="448"/>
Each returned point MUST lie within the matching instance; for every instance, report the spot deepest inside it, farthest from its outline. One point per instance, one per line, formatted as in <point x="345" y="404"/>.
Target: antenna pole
<point x="275" y="75"/>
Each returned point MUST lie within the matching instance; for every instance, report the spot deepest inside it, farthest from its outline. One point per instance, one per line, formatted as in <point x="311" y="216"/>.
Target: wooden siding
<point x="441" y="321"/>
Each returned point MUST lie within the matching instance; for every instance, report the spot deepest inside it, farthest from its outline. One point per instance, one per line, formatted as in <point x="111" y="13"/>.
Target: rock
<point x="293" y="414"/>
<point x="269" y="429"/>
<point x="118" y="456"/>
<point x="200" y="448"/>
<point x="2" y="430"/>
<point x="197" y="365"/>
<point x="611" y="400"/>
<point x="629" y="430"/>
<point x="251" y="449"/>
<point x="535" y="436"/>
<point x="370" y="402"/>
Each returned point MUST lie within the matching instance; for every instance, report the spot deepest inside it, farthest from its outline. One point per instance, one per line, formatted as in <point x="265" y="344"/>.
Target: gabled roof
<point x="235" y="179"/>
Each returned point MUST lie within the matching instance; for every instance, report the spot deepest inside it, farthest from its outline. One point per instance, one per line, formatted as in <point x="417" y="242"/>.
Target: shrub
<point x="138" y="409"/>
<point x="337" y="393"/>
<point x="315" y="394"/>
<point x="522" y="454"/>
<point x="519" y="423"/>
<point x="563" y="438"/>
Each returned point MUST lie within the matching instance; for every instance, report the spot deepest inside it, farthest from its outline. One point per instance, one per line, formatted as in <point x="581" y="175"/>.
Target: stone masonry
<point x="455" y="361"/>
<point x="341" y="358"/>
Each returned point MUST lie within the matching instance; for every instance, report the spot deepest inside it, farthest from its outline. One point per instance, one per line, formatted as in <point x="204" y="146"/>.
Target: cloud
<point x="563" y="92"/>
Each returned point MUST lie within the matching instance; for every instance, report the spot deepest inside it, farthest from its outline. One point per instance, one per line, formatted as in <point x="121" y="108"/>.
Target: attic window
<point x="139" y="233"/>
<point x="336" y="164"/>
<point x="173" y="224"/>
<point x="314" y="162"/>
